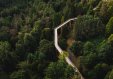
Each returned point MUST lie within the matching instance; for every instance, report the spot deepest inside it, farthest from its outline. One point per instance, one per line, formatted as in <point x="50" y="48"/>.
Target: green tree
<point x="5" y="21"/>
<point x="76" y="48"/>
<point x="110" y="39"/>
<point x="109" y="27"/>
<point x="111" y="75"/>
<point x="101" y="70"/>
<point x="63" y="44"/>
<point x="59" y="70"/>
<point x="56" y="19"/>
<point x="107" y="75"/>
<point x="20" y="74"/>
<point x="69" y="9"/>
<point x="69" y="72"/>
<point x="23" y="72"/>
<point x="105" y="52"/>
<point x="7" y="57"/>
<point x="46" y="34"/>
<point x="47" y="48"/>
<point x="30" y="43"/>
<point x="87" y="27"/>
<point x="105" y="10"/>
<point x="4" y="36"/>
<point x="91" y="60"/>
<point x="26" y="43"/>
<point x="56" y="70"/>
<point x="36" y="31"/>
<point x="88" y="48"/>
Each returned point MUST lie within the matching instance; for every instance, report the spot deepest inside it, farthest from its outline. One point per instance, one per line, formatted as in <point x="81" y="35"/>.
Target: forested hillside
<point x="27" y="48"/>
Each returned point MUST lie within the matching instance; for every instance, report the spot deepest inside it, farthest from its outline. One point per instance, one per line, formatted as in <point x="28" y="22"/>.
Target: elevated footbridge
<point x="69" y="59"/>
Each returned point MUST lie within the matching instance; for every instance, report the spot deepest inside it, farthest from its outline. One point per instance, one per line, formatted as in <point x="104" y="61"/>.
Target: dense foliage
<point x="27" y="38"/>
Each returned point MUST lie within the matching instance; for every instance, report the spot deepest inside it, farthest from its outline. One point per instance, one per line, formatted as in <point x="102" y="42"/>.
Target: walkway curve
<point x="61" y="51"/>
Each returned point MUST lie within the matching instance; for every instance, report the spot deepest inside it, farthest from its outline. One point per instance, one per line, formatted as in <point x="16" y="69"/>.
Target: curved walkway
<point x="68" y="59"/>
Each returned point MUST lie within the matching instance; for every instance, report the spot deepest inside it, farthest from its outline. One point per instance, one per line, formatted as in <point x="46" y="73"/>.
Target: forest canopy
<point x="27" y="48"/>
